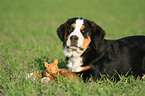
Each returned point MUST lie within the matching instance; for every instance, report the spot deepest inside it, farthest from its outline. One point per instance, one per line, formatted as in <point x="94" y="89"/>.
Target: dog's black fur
<point x="124" y="56"/>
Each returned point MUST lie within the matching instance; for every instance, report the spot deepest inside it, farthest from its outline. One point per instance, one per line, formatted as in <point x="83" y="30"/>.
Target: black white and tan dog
<point x="84" y="45"/>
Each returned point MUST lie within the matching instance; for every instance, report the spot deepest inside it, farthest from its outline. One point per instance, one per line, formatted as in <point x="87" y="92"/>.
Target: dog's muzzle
<point x="74" y="40"/>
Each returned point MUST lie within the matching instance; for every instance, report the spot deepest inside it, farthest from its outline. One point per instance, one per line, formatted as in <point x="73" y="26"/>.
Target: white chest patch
<point x="74" y="64"/>
<point x="75" y="60"/>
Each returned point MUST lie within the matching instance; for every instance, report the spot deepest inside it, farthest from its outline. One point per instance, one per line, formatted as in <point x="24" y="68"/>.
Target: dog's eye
<point x="70" y="29"/>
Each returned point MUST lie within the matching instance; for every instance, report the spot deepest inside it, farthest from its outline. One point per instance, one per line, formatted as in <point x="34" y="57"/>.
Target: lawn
<point x="28" y="38"/>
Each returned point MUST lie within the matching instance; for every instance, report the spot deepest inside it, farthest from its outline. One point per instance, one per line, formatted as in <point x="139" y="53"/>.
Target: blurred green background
<point x="28" y="30"/>
<point x="30" y="23"/>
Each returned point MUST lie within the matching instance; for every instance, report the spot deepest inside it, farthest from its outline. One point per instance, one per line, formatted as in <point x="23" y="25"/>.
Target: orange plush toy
<point x="52" y="70"/>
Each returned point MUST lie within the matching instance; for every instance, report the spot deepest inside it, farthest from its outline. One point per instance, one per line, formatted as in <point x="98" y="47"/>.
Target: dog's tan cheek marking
<point x="86" y="42"/>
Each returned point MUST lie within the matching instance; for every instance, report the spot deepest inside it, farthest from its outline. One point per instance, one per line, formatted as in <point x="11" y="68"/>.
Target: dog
<point x="84" y="44"/>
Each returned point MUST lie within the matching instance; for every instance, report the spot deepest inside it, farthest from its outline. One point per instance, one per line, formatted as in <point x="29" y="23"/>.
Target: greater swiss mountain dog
<point x="84" y="45"/>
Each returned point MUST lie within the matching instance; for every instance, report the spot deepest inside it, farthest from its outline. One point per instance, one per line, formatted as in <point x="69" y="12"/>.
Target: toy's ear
<point x="55" y="61"/>
<point x="46" y="64"/>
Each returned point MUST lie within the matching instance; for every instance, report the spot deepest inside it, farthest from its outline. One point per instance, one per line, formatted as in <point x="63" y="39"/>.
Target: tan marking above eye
<point x="82" y="27"/>
<point x="73" y="25"/>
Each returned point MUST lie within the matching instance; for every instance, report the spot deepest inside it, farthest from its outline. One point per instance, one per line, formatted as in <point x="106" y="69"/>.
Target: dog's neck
<point x="74" y="60"/>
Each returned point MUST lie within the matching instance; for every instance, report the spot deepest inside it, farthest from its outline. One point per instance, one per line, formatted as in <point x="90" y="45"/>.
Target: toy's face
<point x="52" y="68"/>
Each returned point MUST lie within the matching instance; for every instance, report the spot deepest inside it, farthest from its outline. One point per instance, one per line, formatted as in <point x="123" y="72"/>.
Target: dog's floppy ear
<point x="61" y="31"/>
<point x="97" y="34"/>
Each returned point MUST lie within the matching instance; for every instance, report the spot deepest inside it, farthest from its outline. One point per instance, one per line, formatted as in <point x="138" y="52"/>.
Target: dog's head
<point x="77" y="34"/>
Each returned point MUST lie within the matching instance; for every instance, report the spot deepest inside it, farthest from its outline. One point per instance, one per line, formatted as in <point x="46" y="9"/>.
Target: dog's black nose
<point x="74" y="40"/>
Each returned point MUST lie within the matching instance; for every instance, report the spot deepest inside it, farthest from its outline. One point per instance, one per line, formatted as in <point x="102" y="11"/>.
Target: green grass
<point x="28" y="38"/>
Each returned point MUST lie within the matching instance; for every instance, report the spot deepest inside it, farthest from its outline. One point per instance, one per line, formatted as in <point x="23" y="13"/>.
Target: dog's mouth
<point x="74" y="48"/>
<point x="73" y="51"/>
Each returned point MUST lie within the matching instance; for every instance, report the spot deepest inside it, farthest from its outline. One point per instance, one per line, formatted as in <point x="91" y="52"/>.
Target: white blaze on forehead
<point x="79" y="24"/>
<point x="77" y="32"/>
